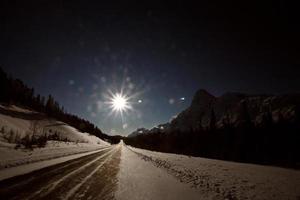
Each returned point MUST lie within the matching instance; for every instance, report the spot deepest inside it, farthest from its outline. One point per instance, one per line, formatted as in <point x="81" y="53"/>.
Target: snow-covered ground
<point x="143" y="174"/>
<point x="153" y="175"/>
<point x="10" y="157"/>
<point x="17" y="122"/>
<point x="141" y="180"/>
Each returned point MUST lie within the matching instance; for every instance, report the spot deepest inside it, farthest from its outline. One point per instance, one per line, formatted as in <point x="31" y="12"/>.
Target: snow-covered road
<point x="90" y="177"/>
<point x="121" y="172"/>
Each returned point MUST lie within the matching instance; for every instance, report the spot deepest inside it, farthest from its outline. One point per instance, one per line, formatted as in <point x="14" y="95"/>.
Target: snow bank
<point x="18" y="109"/>
<point x="16" y="121"/>
<point x="19" y="121"/>
<point x="227" y="180"/>
<point x="141" y="180"/>
<point x="10" y="157"/>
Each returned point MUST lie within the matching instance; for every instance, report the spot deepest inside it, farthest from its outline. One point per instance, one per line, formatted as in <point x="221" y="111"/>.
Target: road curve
<point x="88" y="177"/>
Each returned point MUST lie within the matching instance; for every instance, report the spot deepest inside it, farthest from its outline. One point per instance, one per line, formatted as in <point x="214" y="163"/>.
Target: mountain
<point x="138" y="132"/>
<point x="234" y="126"/>
<point x="158" y="128"/>
<point x="230" y="108"/>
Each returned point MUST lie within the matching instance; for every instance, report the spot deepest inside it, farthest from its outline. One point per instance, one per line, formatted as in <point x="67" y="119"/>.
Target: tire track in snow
<point x="90" y="183"/>
<point x="21" y="185"/>
<point x="104" y="183"/>
<point x="75" y="189"/>
<point x="49" y="188"/>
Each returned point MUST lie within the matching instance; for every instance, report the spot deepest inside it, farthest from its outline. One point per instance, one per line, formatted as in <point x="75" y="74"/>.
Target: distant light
<point x="140" y="101"/>
<point x="103" y="79"/>
<point x="71" y="82"/>
<point x="93" y="114"/>
<point x="131" y="86"/>
<point x="95" y="86"/>
<point x="171" y="101"/>
<point x="80" y="89"/>
<point x="125" y="126"/>
<point x="89" y="108"/>
<point x="182" y="98"/>
<point x="100" y="105"/>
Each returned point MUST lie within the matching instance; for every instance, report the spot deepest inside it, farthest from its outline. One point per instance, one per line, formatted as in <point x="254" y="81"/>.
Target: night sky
<point x="159" y="55"/>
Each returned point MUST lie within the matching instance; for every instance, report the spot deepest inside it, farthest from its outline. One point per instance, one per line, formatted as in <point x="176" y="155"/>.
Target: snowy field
<point x="16" y="122"/>
<point x="205" y="178"/>
<point x="142" y="174"/>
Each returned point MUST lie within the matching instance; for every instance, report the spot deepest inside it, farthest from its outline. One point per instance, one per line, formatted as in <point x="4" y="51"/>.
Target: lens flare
<point x="119" y="102"/>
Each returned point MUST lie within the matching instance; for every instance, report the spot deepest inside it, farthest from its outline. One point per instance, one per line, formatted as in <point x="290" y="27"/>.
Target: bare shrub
<point x="2" y="130"/>
<point x="12" y="136"/>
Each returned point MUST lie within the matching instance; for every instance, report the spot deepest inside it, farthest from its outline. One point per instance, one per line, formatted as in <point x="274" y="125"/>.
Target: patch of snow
<point x="223" y="179"/>
<point x="16" y="108"/>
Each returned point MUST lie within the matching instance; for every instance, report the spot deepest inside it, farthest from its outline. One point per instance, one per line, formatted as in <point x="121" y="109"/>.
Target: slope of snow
<point x="141" y="180"/>
<point x="18" y="109"/>
<point x="222" y="179"/>
<point x="19" y="121"/>
<point x="21" y="125"/>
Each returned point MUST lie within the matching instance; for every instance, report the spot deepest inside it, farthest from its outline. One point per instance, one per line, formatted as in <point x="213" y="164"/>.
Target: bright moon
<point x="119" y="102"/>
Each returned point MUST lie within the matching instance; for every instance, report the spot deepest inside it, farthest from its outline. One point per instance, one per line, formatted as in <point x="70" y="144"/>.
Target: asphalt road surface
<point x="88" y="177"/>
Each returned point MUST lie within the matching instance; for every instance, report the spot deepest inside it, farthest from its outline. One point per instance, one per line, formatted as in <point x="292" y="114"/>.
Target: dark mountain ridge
<point x="230" y="107"/>
<point x="234" y="126"/>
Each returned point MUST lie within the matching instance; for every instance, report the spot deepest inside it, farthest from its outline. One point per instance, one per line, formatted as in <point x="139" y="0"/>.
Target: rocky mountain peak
<point x="202" y="98"/>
